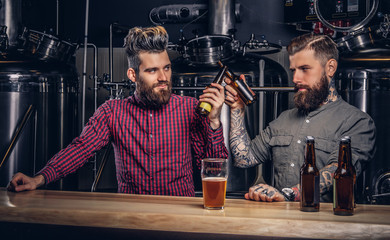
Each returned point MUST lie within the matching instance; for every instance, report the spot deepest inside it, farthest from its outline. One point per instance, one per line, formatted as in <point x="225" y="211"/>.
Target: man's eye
<point x="167" y="68"/>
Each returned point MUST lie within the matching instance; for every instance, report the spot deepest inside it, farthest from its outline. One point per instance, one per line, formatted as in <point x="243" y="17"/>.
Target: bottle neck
<point x="310" y="157"/>
<point x="220" y="76"/>
<point x="345" y="158"/>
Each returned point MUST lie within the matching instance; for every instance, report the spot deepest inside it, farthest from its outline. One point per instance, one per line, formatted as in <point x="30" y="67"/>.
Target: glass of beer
<point x="214" y="176"/>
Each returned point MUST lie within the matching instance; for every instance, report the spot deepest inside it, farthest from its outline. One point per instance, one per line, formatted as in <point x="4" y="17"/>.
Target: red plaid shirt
<point x="152" y="146"/>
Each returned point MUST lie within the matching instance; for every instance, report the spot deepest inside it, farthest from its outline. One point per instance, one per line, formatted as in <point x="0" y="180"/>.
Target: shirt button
<point x="151" y="135"/>
<point x="299" y="141"/>
<point x="292" y="164"/>
<point x="307" y="120"/>
<point x="151" y="115"/>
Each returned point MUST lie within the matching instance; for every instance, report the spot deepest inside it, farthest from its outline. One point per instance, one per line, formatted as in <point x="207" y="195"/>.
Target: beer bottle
<point x="244" y="91"/>
<point x="204" y="108"/>
<point x="344" y="180"/>
<point x="310" y="180"/>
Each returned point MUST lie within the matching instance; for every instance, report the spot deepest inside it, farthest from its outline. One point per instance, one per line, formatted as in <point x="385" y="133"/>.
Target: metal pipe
<point x="221" y="16"/>
<point x="85" y="61"/>
<point x="19" y="129"/>
<point x="95" y="95"/>
<point x="10" y="16"/>
<point x="260" y="89"/>
<point x="111" y="56"/>
<point x="101" y="167"/>
<point x="57" y="17"/>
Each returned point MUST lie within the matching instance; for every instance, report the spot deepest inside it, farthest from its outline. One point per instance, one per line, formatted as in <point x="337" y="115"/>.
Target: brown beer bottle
<point x="310" y="180"/>
<point x="204" y="108"/>
<point x="244" y="91"/>
<point x="344" y="180"/>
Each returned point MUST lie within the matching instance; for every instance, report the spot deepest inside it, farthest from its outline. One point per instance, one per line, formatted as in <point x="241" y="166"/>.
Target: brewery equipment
<point x="362" y="80"/>
<point x="39" y="97"/>
<point x="51" y="88"/>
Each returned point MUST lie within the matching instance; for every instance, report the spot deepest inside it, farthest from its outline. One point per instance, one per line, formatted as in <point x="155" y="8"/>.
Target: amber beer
<point x="344" y="180"/>
<point x="214" y="177"/>
<point x="214" y="192"/>
<point x="310" y="180"/>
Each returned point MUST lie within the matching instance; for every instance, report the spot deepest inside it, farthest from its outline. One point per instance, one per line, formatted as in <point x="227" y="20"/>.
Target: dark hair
<point x="324" y="47"/>
<point x="149" y="39"/>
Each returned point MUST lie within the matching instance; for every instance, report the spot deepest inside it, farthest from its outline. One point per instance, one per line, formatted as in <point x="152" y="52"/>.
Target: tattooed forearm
<point x="326" y="177"/>
<point x="240" y="141"/>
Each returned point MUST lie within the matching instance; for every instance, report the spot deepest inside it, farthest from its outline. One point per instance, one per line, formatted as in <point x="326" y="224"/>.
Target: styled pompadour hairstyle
<point x="324" y="47"/>
<point x="149" y="39"/>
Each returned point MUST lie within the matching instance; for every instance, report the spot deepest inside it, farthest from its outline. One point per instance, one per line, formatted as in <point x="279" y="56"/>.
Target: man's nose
<point x="162" y="75"/>
<point x="296" y="78"/>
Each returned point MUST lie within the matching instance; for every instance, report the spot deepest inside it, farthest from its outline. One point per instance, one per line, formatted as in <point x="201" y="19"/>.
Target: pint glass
<point x="214" y="177"/>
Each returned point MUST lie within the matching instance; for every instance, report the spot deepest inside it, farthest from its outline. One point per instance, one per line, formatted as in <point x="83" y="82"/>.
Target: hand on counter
<point x="21" y="182"/>
<point x="265" y="193"/>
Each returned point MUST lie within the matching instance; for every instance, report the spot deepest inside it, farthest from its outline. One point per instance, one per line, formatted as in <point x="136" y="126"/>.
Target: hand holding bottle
<point x="232" y="97"/>
<point x="215" y="96"/>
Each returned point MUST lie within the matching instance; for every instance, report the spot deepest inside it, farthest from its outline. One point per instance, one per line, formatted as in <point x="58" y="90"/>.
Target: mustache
<point x="301" y="86"/>
<point x="162" y="83"/>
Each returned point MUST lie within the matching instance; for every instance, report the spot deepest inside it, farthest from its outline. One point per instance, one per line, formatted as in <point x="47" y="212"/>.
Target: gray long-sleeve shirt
<point x="283" y="141"/>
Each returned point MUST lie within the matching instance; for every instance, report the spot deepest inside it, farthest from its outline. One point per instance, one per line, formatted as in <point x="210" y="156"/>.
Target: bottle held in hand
<point x="310" y="180"/>
<point x="204" y="108"/>
<point x="244" y="91"/>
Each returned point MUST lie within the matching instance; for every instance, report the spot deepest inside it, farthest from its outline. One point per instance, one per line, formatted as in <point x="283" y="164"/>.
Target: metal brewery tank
<point x="51" y="88"/>
<point x="187" y="74"/>
<point x="364" y="81"/>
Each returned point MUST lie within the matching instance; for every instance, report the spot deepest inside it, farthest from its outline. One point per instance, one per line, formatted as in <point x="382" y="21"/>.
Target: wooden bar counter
<point x="105" y="215"/>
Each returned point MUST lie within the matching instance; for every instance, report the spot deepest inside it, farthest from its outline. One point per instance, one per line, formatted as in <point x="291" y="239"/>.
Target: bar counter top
<point x="240" y="218"/>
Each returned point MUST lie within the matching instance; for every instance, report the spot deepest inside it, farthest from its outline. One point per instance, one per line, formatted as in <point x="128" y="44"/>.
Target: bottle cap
<point x="345" y="139"/>
<point x="309" y="139"/>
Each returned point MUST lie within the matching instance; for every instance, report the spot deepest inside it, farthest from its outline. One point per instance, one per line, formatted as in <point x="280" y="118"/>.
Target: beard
<point x="307" y="101"/>
<point x="152" y="98"/>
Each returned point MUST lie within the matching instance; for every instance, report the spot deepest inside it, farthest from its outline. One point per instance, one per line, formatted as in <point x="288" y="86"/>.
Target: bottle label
<point x="206" y="106"/>
<point x="316" y="189"/>
<point x="334" y="193"/>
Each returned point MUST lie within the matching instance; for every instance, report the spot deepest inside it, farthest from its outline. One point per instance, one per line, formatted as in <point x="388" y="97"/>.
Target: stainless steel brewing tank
<point x="256" y="69"/>
<point x="52" y="89"/>
<point x="363" y="80"/>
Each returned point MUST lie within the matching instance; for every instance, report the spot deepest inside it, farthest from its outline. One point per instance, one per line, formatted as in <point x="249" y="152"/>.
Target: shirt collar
<point x="324" y="107"/>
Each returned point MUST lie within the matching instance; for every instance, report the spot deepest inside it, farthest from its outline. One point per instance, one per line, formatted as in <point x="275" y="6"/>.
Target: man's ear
<point x="331" y="67"/>
<point x="131" y="74"/>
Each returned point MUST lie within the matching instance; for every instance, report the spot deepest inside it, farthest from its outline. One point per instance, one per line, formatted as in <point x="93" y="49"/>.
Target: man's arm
<point x="95" y="135"/>
<point x="326" y="181"/>
<point x="207" y="132"/>
<point x="240" y="141"/>
<point x="266" y="193"/>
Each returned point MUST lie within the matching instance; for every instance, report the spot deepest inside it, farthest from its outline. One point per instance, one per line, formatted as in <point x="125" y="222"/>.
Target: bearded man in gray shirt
<point x="320" y="112"/>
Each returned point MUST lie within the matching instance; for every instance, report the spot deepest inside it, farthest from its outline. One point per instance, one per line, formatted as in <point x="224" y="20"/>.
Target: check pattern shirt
<point x="154" y="148"/>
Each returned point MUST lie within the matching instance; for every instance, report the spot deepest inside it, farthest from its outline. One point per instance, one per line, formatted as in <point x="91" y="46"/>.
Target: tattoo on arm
<point x="297" y="192"/>
<point x="326" y="177"/>
<point x="240" y="140"/>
